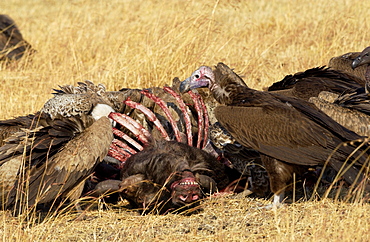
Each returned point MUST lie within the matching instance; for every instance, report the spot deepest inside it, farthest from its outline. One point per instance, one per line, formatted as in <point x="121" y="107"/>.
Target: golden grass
<point x="146" y="43"/>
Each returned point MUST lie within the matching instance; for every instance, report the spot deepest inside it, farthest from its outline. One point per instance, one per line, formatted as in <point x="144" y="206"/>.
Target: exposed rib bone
<point x="124" y="146"/>
<point x="113" y="152"/>
<point x="124" y="136"/>
<point x="183" y="108"/>
<point x="123" y="152"/>
<point x="150" y="115"/>
<point x="206" y="121"/>
<point x="165" y="109"/>
<point x="136" y="128"/>
<point x="200" y="116"/>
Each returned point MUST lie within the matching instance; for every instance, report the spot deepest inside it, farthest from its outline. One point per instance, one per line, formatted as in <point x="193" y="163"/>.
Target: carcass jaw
<point x="184" y="182"/>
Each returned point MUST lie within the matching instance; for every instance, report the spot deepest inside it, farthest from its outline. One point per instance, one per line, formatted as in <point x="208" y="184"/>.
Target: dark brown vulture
<point x="343" y="63"/>
<point x="12" y="44"/>
<point x="363" y="61"/>
<point x="350" y="109"/>
<point x="289" y="133"/>
<point x="315" y="80"/>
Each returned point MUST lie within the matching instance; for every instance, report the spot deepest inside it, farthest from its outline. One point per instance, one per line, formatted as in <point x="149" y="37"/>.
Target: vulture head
<point x="202" y="77"/>
<point x="222" y="82"/>
<point x="362" y="59"/>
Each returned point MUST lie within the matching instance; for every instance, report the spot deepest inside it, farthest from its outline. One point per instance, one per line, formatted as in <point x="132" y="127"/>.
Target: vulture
<point x="289" y="133"/>
<point x="344" y="62"/>
<point x="12" y="44"/>
<point x="350" y="109"/>
<point x="52" y="161"/>
<point x="363" y="61"/>
<point x="315" y="80"/>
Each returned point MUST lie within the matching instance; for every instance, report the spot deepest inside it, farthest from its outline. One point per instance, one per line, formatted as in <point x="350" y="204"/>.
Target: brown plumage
<point x="351" y="109"/>
<point x="46" y="163"/>
<point x="363" y="61"/>
<point x="344" y="63"/>
<point x="12" y="44"/>
<point x="11" y="126"/>
<point x="315" y="80"/>
<point x="289" y="133"/>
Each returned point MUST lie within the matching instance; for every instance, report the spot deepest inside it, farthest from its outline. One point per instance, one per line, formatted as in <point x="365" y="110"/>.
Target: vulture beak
<point x="185" y="85"/>
<point x="356" y="62"/>
<point x="193" y="83"/>
<point x="363" y="58"/>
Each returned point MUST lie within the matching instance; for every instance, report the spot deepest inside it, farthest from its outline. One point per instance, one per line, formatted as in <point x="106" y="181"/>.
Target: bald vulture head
<point x="220" y="81"/>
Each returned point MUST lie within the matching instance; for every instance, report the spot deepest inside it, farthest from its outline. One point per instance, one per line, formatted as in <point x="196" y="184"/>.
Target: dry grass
<point x="145" y="43"/>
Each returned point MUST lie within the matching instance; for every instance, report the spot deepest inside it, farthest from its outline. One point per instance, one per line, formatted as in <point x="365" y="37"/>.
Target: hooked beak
<point x="185" y="85"/>
<point x="190" y="83"/>
<point x="356" y="62"/>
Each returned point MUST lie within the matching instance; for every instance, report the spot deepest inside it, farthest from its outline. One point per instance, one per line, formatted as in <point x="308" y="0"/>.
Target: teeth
<point x="189" y="183"/>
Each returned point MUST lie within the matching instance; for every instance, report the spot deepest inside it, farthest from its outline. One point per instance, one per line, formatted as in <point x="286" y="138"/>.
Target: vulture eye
<point x="197" y="76"/>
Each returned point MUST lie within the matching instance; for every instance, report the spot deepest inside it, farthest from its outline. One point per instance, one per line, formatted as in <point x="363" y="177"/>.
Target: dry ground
<point x="146" y="43"/>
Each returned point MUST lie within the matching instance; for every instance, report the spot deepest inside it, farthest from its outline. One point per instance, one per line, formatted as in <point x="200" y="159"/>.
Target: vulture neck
<point x="225" y="90"/>
<point x="240" y="95"/>
<point x="367" y="78"/>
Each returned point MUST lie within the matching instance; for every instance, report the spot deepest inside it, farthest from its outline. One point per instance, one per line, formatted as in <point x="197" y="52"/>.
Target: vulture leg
<point x="164" y="107"/>
<point x="278" y="201"/>
<point x="281" y="175"/>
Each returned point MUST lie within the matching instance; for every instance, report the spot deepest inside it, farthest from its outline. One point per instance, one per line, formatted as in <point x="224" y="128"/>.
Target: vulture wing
<point x="280" y="133"/>
<point x="58" y="174"/>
